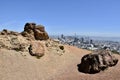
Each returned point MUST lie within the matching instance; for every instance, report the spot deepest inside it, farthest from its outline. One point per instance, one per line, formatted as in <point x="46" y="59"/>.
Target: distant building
<point x="91" y="41"/>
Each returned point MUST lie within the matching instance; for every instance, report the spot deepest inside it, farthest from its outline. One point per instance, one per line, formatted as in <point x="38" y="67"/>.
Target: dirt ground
<point x="21" y="66"/>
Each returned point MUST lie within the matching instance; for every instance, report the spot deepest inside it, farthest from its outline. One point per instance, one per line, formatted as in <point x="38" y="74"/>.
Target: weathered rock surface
<point x="6" y="32"/>
<point x="30" y="41"/>
<point x="55" y="47"/>
<point x="36" y="49"/>
<point x="35" y="32"/>
<point x="96" y="62"/>
<point x="13" y="42"/>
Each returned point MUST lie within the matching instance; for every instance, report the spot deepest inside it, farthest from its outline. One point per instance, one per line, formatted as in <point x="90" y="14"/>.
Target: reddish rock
<point x="96" y="62"/>
<point x="29" y="33"/>
<point x="33" y="31"/>
<point x="40" y="35"/>
<point x="36" y="49"/>
<point x="29" y="26"/>
<point x="40" y="28"/>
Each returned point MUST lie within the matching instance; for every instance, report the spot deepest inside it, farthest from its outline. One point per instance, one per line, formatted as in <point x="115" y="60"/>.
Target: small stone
<point x="61" y="47"/>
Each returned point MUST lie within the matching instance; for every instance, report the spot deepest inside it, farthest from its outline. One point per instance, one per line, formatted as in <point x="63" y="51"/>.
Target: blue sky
<point x="83" y="17"/>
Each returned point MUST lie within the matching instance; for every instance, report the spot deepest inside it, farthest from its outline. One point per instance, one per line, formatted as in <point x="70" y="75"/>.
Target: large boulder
<point x="96" y="62"/>
<point x="29" y="26"/>
<point x="36" y="48"/>
<point x="40" y="28"/>
<point x="33" y="31"/>
<point x="40" y="35"/>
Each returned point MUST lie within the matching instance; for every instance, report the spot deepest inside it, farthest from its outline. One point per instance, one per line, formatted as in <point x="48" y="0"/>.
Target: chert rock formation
<point x="35" y="32"/>
<point x="96" y="62"/>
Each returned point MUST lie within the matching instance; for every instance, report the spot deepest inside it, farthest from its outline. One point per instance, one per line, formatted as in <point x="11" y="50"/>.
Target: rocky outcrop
<point x="55" y="47"/>
<point x="13" y="41"/>
<point x="96" y="62"/>
<point x="36" y="49"/>
<point x="36" y="32"/>
<point x="29" y="41"/>
<point x="6" y="32"/>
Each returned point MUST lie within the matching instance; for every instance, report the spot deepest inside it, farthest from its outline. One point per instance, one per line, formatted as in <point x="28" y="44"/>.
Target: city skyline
<point x="81" y="17"/>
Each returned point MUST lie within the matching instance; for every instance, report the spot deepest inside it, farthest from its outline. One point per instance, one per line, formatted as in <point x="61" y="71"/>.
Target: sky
<point x="81" y="17"/>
